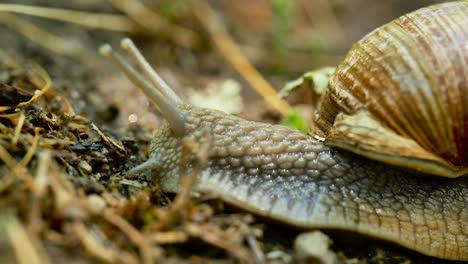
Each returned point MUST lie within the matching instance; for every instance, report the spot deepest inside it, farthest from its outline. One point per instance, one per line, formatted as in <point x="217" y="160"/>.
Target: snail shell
<point x="401" y="94"/>
<point x="291" y="177"/>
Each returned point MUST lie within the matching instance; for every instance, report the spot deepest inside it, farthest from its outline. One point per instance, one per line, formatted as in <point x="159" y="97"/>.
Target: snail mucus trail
<point x="288" y="176"/>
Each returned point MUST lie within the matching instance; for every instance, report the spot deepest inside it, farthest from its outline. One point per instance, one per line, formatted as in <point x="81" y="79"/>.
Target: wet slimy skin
<point x="281" y="173"/>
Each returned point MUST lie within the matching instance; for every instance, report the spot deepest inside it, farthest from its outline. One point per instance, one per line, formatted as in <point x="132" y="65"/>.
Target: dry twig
<point x="32" y="149"/>
<point x="231" y="51"/>
<point x="215" y="236"/>
<point x="28" y="249"/>
<point x="157" y="24"/>
<point x="41" y="36"/>
<point x="16" y="168"/>
<point x="91" y="20"/>
<point x="148" y="252"/>
<point x="110" y="142"/>
<point x="96" y="248"/>
<point x="18" y="128"/>
<point x="169" y="237"/>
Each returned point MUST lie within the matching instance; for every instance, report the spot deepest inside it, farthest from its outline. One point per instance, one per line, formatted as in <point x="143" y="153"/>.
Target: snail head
<point x="183" y="120"/>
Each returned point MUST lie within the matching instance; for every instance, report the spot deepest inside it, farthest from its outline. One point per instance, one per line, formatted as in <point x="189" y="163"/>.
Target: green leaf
<point x="316" y="81"/>
<point x="294" y="119"/>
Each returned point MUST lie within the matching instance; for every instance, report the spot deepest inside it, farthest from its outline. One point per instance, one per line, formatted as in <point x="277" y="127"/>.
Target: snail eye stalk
<point x="166" y="101"/>
<point x="128" y="45"/>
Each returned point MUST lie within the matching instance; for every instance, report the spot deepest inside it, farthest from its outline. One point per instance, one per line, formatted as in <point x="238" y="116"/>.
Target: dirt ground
<point x="63" y="193"/>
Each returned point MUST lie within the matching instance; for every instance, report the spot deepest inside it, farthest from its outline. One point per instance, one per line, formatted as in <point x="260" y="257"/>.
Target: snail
<point x="414" y="195"/>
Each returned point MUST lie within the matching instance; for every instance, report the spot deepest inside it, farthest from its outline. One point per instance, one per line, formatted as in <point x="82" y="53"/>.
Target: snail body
<point x="291" y="177"/>
<point x="288" y="176"/>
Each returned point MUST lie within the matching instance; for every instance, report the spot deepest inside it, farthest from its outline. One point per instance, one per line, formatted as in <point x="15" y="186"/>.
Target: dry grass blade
<point x="27" y="249"/>
<point x="16" y="168"/>
<point x="40" y="182"/>
<point x="12" y="115"/>
<point x="148" y="252"/>
<point x="66" y="199"/>
<point x="110" y="142"/>
<point x="18" y="128"/>
<point x="93" y="246"/>
<point x="35" y="221"/>
<point x="215" y="236"/>
<point x="6" y="181"/>
<point x="255" y="248"/>
<point x="231" y="51"/>
<point x="169" y="237"/>
<point x="42" y="37"/>
<point x="32" y="149"/>
<point x="87" y="19"/>
<point x="157" y="24"/>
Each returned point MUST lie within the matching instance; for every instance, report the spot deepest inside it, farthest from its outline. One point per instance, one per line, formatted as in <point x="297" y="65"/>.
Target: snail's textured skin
<point x="286" y="175"/>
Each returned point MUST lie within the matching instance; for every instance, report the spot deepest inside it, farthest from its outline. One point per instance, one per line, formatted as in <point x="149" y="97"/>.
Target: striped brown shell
<point x="401" y="94"/>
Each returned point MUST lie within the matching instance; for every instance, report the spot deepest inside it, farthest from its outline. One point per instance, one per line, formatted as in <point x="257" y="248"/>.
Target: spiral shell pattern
<point x="411" y="75"/>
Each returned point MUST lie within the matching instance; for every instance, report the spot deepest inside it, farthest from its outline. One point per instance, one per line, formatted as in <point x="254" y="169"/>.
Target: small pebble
<point x="96" y="203"/>
<point x="85" y="167"/>
<point x="313" y="247"/>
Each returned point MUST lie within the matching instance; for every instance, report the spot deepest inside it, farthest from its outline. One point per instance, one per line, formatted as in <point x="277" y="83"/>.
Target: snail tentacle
<point x="128" y="45"/>
<point x="171" y="112"/>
